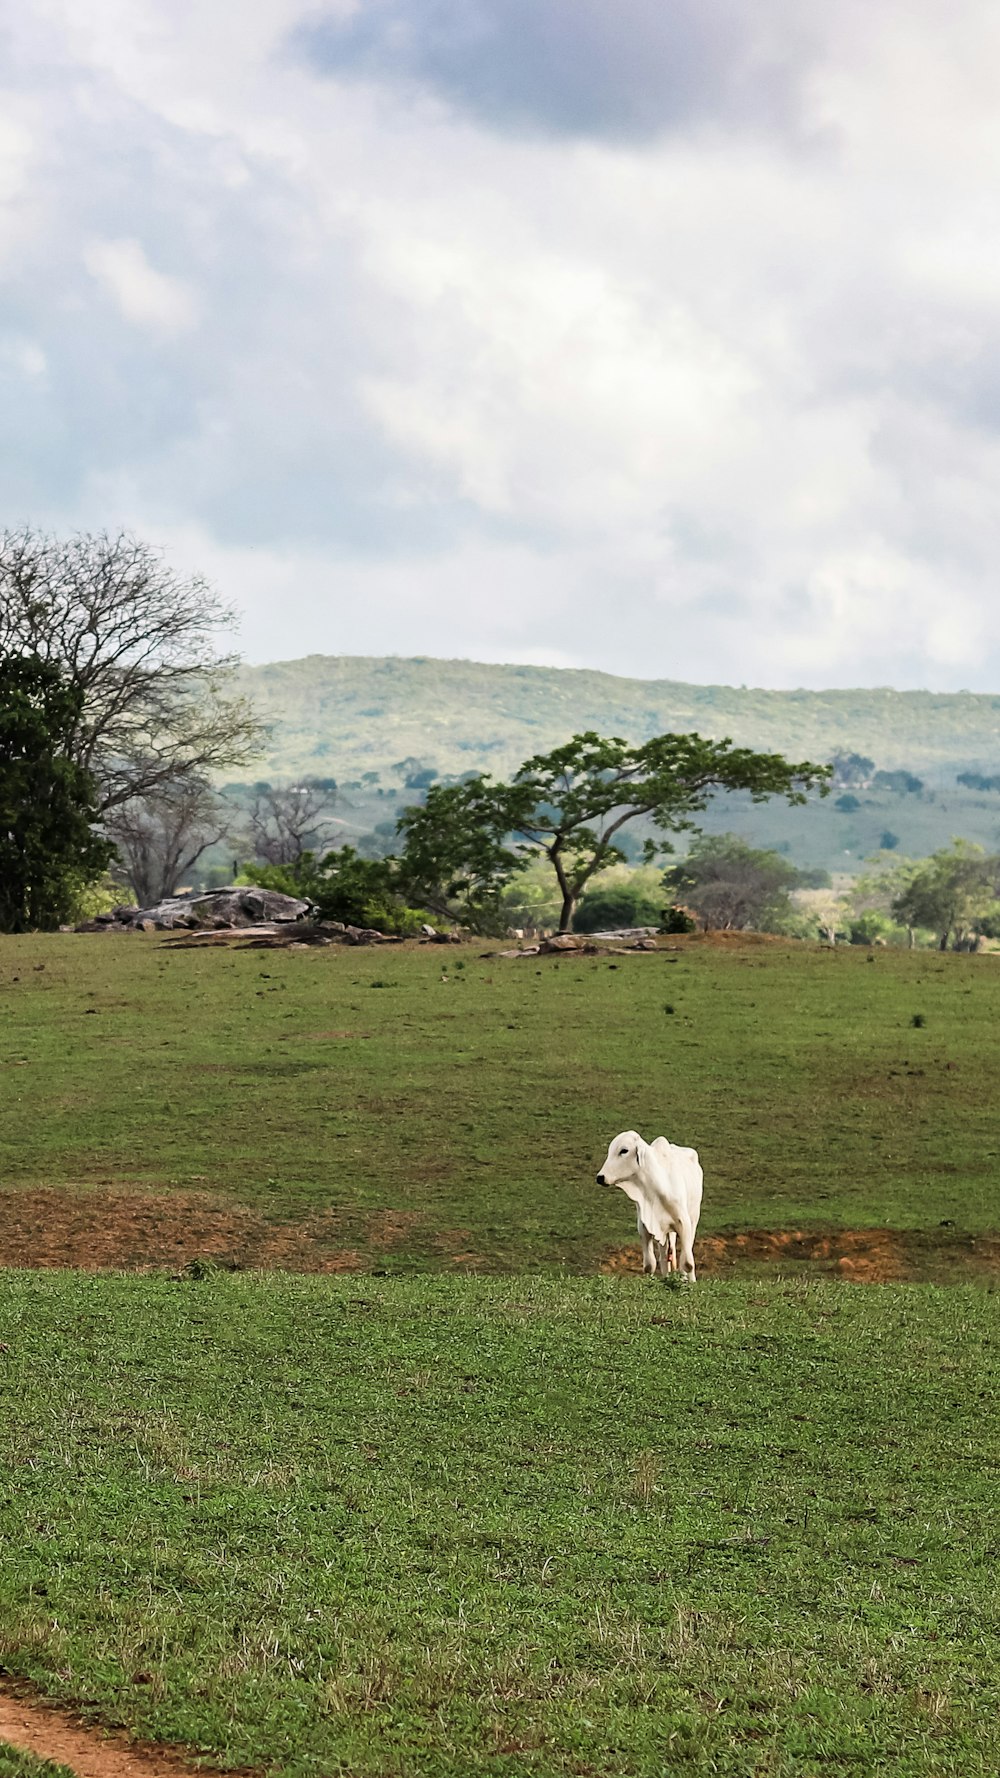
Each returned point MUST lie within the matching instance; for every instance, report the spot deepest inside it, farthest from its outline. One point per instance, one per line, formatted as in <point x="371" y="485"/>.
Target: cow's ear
<point x="640" y="1152"/>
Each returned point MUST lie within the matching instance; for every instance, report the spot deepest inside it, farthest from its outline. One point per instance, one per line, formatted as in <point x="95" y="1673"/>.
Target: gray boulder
<point x="218" y="910"/>
<point x="246" y="906"/>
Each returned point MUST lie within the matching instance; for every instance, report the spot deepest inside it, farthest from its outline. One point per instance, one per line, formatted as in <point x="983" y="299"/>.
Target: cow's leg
<point x="648" y="1249"/>
<point x="667" y="1253"/>
<point x="685" y="1251"/>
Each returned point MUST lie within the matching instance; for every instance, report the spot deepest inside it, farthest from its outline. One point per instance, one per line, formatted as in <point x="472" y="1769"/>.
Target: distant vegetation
<point x="350" y="715"/>
<point x="918" y="764"/>
<point x="331" y="751"/>
<point x="466" y="843"/>
<point x="979" y="780"/>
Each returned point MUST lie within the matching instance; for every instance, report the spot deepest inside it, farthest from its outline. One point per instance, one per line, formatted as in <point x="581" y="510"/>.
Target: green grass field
<point x="465" y="1104"/>
<point x="409" y="1523"/>
<point x="16" y="1764"/>
<point x="442" y="1526"/>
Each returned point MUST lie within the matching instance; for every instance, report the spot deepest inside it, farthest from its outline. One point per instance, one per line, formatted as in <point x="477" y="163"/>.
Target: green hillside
<point x="370" y="724"/>
<point x="342" y="715"/>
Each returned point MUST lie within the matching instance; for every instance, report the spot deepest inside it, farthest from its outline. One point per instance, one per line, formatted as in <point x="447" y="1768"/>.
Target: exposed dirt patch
<point x="863" y="1256"/>
<point x="39" y="1728"/>
<point x="131" y="1231"/>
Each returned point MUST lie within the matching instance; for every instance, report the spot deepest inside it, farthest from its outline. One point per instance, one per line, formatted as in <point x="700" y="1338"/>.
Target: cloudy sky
<point x="655" y="335"/>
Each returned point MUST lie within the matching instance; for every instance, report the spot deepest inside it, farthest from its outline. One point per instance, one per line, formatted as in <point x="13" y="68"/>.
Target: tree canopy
<point x="467" y="840"/>
<point x="48" y="846"/>
<point x="954" y="893"/>
<point x="138" y="642"/>
<point x="732" y="886"/>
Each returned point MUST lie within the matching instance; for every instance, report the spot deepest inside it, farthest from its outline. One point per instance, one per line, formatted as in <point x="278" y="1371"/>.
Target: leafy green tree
<point x="866" y="928"/>
<point x="731" y="886"/>
<point x="467" y="840"/>
<point x="952" y="893"/>
<point x="48" y="847"/>
<point x="530" y="900"/>
<point x="886" y="878"/>
<point x="616" y="905"/>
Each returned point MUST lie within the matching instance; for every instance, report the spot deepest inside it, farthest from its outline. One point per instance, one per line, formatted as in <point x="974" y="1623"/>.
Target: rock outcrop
<point x="219" y="910"/>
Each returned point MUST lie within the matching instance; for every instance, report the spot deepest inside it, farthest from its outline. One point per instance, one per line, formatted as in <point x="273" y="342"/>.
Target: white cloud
<point x="145" y="297"/>
<point x="15" y="156"/>
<point x="722" y="404"/>
<point x="24" y="356"/>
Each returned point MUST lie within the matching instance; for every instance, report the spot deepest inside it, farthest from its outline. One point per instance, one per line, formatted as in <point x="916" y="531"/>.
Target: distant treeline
<point x="979" y="781"/>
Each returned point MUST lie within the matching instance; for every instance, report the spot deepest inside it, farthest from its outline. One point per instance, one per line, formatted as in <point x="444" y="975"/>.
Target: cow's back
<point x="685" y="1173"/>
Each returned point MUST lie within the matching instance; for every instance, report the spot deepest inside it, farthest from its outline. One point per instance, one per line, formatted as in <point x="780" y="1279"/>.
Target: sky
<point x="658" y="336"/>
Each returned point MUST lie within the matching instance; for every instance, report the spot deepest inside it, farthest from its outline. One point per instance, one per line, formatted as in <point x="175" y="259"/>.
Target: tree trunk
<point x="943" y="940"/>
<point x="570" y="891"/>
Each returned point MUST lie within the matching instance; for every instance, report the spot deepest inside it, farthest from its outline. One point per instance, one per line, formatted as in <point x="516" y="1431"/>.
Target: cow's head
<point x="625" y="1157"/>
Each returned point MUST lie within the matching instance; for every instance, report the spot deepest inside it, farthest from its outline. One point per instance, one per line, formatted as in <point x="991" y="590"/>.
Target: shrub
<point x="344" y="886"/>
<point x="619" y="904"/>
<point x="864" y="929"/>
<point x="678" y="920"/>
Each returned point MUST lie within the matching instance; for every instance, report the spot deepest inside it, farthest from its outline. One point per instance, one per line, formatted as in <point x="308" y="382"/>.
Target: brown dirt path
<point x="33" y="1726"/>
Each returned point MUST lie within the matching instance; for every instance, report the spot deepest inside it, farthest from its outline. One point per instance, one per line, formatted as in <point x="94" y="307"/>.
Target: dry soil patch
<point x="862" y="1256"/>
<point x="97" y="1231"/>
<point x="127" y="1230"/>
<point x="39" y="1728"/>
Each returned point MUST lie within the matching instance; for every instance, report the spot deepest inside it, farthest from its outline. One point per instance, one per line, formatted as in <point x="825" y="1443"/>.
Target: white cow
<point x="664" y="1183"/>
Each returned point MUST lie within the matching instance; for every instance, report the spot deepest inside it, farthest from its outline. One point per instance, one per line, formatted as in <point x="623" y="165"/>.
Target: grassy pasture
<point x="14" y="1763"/>
<point x="445" y="1526"/>
<point x="428" y="1108"/>
<point x="437" y="1525"/>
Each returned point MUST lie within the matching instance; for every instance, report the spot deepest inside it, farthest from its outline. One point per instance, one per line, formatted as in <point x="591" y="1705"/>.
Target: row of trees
<point x="120" y="689"/>
<point x="112" y="691"/>
<point x="953" y="895"/>
<point x="855" y="771"/>
<point x="118" y="713"/>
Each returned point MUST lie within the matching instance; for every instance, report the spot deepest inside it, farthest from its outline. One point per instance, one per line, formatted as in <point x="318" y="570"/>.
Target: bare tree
<point x="731" y="886"/>
<point x="139" y="642"/>
<point x="159" y="836"/>
<point x="286" y="820"/>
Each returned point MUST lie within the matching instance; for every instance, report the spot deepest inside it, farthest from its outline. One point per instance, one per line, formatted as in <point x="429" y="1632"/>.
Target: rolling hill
<point x="372" y="723"/>
<point x="342" y="715"/>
